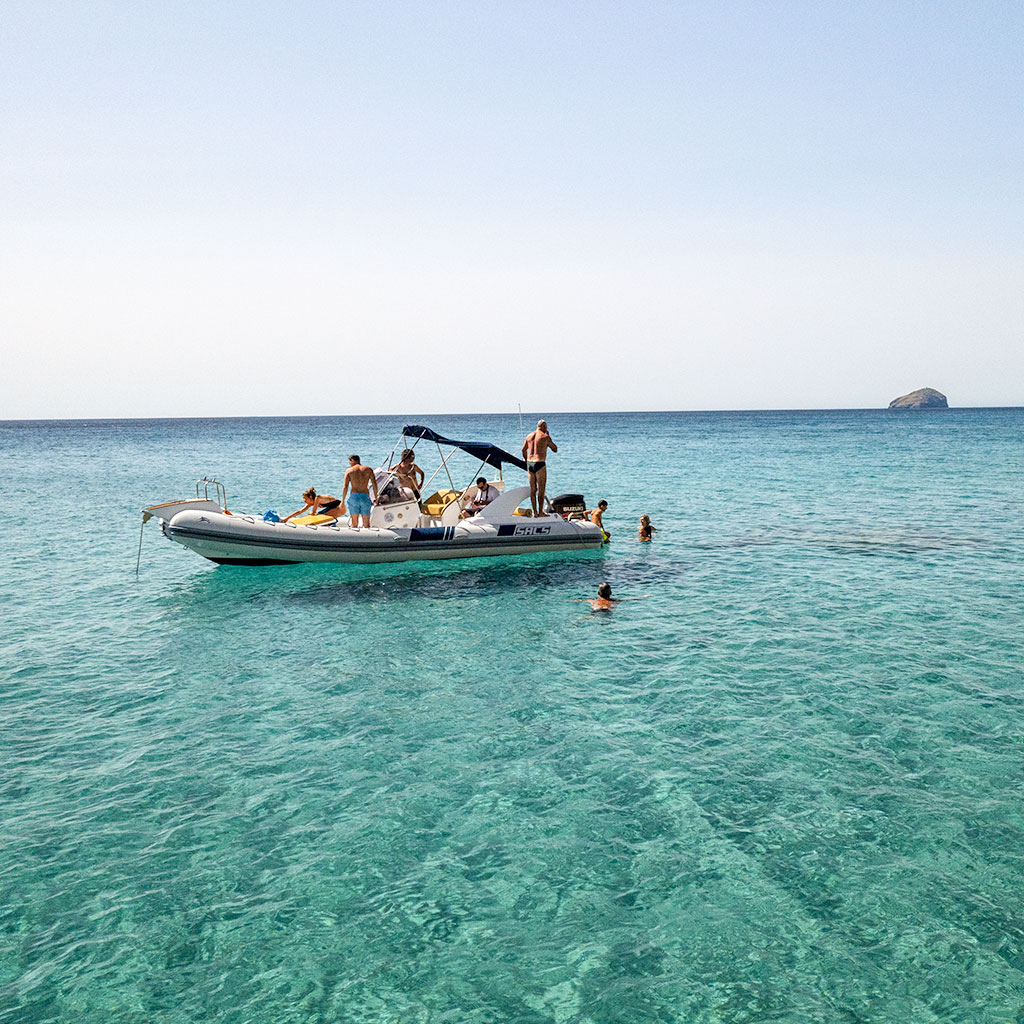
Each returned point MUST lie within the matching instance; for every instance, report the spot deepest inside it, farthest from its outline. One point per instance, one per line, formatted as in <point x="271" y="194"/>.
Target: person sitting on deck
<point x="485" y="493"/>
<point x="408" y="474"/>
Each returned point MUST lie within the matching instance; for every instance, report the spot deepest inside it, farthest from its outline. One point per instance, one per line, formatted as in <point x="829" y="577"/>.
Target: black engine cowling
<point x="568" y="504"/>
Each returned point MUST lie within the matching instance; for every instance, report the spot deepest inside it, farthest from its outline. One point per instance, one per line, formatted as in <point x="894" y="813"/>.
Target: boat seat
<point x="311" y="520"/>
<point x="439" y="501"/>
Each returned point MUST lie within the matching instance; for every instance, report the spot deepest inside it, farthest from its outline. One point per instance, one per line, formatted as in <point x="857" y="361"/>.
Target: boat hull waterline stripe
<point x="239" y="554"/>
<point x="217" y="545"/>
<point x="178" y="533"/>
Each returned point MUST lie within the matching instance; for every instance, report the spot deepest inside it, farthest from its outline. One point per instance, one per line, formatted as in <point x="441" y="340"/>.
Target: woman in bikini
<point x="646" y="531"/>
<point x="317" y="505"/>
<point x="409" y="475"/>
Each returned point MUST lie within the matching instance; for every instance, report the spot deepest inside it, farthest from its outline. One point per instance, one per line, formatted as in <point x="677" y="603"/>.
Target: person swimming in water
<point x="646" y="531"/>
<point x="595" y="516"/>
<point x="604" y="602"/>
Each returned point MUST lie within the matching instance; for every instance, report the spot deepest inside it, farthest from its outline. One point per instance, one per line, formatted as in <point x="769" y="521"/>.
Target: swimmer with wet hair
<point x="604" y="602"/>
<point x="595" y="516"/>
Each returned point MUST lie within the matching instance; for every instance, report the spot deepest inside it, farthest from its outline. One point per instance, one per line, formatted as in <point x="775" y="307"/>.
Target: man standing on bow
<point x="535" y="452"/>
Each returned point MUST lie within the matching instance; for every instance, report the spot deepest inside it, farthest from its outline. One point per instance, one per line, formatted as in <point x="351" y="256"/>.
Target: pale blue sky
<point x="213" y="209"/>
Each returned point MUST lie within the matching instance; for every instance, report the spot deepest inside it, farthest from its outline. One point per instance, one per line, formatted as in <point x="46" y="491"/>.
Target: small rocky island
<point x="923" y="398"/>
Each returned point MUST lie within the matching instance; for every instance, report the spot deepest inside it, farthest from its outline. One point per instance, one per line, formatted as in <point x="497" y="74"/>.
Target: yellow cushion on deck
<point x="439" y="501"/>
<point x="311" y="520"/>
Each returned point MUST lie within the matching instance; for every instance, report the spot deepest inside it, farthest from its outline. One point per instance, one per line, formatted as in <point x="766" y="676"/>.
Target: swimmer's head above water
<point x="604" y="602"/>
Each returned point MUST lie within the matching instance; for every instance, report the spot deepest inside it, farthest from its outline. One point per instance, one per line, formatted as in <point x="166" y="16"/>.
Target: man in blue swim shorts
<point x="360" y="479"/>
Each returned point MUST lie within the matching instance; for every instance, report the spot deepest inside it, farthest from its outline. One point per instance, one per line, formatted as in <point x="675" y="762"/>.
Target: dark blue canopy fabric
<point x="489" y="453"/>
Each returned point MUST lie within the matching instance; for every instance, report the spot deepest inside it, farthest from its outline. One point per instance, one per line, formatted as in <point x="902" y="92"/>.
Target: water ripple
<point x="783" y="786"/>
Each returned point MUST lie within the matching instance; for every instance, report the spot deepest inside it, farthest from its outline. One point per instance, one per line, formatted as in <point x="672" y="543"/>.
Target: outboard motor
<point x="568" y="505"/>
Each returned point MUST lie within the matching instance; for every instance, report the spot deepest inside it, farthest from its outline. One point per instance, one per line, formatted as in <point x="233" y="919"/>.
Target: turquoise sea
<point x="785" y="786"/>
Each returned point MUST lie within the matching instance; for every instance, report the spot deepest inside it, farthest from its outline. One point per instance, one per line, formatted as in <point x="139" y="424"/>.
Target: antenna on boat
<point x="146" y="516"/>
<point x="138" y="559"/>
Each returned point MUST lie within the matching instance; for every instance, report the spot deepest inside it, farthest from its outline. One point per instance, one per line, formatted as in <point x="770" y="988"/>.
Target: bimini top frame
<point x="488" y="453"/>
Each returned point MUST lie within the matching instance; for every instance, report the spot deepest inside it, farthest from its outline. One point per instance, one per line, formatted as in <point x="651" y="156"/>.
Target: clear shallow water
<point x="787" y="786"/>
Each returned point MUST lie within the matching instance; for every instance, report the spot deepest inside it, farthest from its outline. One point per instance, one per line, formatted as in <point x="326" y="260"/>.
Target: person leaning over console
<point x="485" y="493"/>
<point x="317" y="504"/>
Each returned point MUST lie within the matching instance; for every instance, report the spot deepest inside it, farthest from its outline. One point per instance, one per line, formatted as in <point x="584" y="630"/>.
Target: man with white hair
<point x="535" y="452"/>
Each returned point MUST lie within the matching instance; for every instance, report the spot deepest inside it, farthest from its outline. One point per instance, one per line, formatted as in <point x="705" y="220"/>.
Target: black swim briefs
<point x="533" y="467"/>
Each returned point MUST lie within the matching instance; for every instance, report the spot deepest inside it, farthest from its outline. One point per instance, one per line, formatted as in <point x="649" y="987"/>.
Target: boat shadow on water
<point x="318" y="585"/>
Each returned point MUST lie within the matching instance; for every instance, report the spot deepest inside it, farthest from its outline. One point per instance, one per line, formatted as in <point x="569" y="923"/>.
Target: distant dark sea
<point x="785" y="785"/>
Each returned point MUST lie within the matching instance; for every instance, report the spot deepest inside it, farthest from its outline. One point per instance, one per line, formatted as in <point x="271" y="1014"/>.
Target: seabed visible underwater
<point x="786" y="786"/>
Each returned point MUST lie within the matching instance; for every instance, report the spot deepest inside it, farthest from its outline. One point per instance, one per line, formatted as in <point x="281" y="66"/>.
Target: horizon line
<point x="564" y="412"/>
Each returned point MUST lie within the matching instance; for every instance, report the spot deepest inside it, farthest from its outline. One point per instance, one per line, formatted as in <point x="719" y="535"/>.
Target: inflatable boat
<point x="402" y="528"/>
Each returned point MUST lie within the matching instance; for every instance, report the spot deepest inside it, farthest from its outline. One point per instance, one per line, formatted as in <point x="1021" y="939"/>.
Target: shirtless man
<point x="535" y="452"/>
<point x="360" y="478"/>
<point x="595" y="515"/>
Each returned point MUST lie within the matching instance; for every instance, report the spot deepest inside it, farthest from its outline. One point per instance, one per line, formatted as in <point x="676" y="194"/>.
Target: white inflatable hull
<point x="246" y="540"/>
